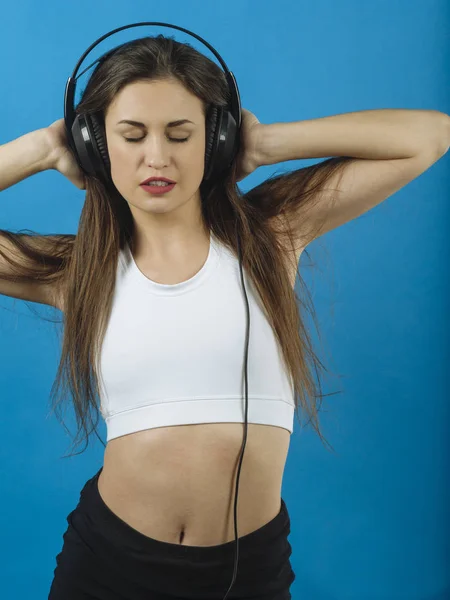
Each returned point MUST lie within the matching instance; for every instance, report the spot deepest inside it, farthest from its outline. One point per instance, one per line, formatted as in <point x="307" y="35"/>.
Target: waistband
<point x="105" y="520"/>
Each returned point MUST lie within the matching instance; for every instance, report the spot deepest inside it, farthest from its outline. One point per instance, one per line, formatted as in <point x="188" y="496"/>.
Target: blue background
<point x="371" y="521"/>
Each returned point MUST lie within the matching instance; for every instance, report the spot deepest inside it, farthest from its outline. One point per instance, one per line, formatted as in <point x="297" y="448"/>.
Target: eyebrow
<point x="171" y="124"/>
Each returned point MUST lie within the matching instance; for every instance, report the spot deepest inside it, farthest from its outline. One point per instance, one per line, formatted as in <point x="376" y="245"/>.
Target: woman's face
<point x="157" y="153"/>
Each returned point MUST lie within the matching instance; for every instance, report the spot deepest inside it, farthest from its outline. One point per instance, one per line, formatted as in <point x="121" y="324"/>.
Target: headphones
<point x="86" y="134"/>
<point x="87" y="139"/>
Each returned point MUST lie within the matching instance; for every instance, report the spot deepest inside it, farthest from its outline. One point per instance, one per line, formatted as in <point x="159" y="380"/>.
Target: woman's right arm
<point x="23" y="157"/>
<point x="39" y="150"/>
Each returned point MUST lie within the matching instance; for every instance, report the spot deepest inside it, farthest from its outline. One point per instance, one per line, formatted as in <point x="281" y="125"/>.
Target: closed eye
<point x="171" y="139"/>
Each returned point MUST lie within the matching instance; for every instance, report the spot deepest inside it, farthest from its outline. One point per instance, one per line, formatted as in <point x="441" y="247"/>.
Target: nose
<point x="157" y="152"/>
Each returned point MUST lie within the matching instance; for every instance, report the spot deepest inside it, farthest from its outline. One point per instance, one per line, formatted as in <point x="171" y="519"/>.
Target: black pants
<point x="104" y="558"/>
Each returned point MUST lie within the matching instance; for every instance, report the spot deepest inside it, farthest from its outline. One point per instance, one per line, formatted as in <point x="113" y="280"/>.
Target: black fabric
<point x="104" y="558"/>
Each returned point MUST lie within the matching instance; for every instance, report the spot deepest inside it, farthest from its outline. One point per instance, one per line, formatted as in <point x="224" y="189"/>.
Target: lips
<point x="148" y="181"/>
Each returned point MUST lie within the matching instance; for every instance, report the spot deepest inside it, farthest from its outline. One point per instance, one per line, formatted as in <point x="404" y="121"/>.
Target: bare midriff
<point x="177" y="484"/>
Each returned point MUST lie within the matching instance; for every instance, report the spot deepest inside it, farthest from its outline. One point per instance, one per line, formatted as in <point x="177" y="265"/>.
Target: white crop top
<point x="174" y="354"/>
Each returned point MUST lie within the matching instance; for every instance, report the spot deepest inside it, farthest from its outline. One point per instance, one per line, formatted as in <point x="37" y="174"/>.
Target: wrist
<point x="266" y="146"/>
<point x="49" y="150"/>
<point x="40" y="143"/>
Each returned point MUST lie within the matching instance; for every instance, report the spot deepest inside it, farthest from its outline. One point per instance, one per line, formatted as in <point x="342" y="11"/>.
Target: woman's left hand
<point x="247" y="157"/>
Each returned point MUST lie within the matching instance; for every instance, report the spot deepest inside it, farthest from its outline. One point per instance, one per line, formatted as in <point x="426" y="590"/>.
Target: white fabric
<point x="174" y="354"/>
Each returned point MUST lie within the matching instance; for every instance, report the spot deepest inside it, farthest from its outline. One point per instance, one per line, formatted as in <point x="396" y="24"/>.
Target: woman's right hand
<point x="62" y="158"/>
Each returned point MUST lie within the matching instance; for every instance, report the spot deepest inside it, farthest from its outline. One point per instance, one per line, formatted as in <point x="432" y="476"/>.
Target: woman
<point x="155" y="323"/>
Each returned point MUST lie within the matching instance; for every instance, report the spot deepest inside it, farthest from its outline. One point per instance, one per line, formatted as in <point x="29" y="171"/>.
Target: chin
<point x="158" y="209"/>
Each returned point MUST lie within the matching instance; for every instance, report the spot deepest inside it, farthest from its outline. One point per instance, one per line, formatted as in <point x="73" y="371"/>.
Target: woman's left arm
<point x="370" y="134"/>
<point x="388" y="149"/>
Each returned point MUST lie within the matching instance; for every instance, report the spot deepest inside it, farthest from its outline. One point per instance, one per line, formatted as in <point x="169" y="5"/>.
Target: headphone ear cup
<point x="222" y="142"/>
<point x="211" y="132"/>
<point x="98" y="131"/>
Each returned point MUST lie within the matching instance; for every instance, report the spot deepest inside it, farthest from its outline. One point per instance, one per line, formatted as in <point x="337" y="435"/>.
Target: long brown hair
<point x="84" y="265"/>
